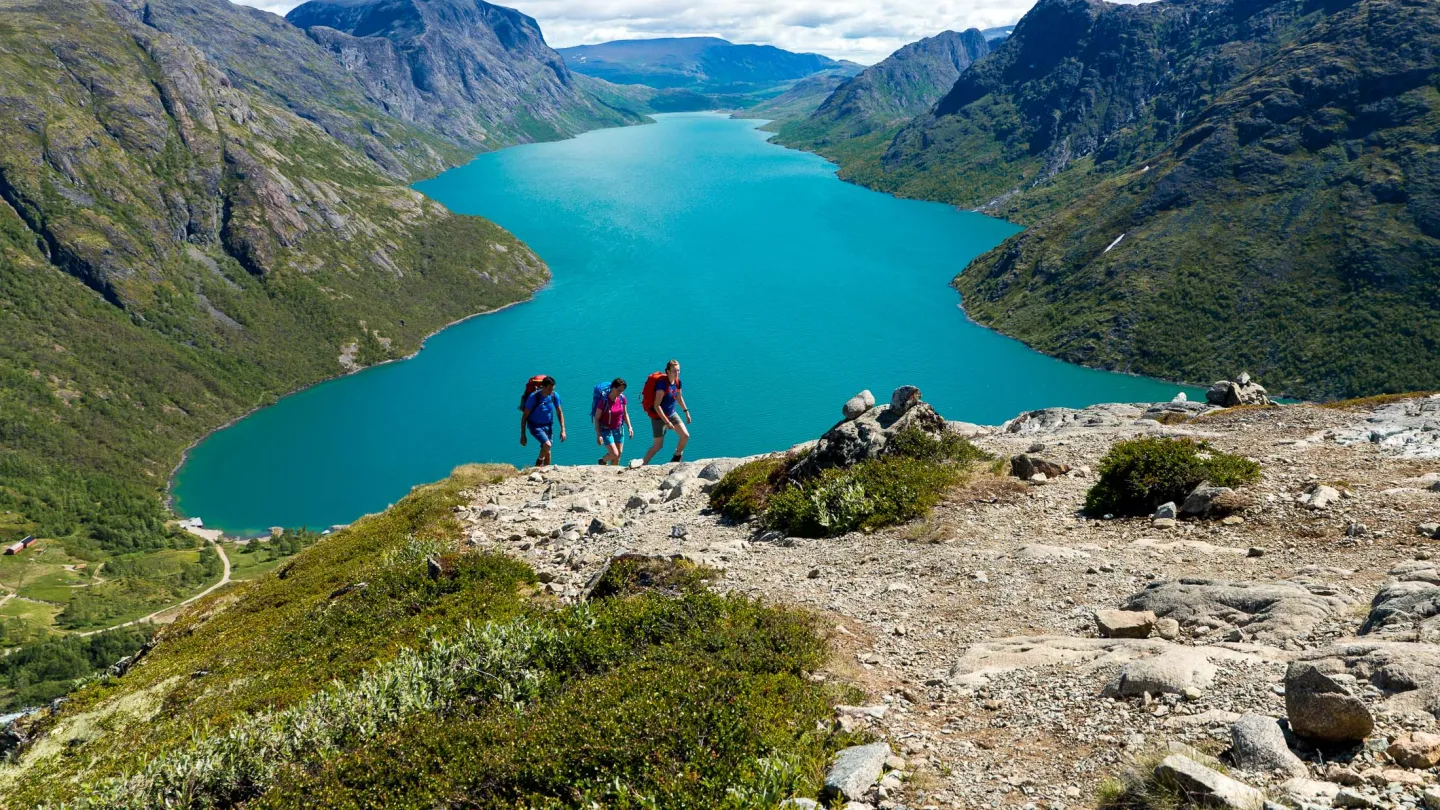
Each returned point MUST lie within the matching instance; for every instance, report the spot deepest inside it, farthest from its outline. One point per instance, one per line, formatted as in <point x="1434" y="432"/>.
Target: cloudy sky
<point x="863" y="30"/>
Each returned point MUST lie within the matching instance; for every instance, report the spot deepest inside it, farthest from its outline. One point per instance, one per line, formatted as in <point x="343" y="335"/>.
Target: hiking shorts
<point x="615" y="436"/>
<point x="541" y="432"/>
<point x="658" y="426"/>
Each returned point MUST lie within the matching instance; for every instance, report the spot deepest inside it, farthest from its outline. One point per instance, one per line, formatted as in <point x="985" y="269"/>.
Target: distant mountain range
<point x="703" y="64"/>
<point x="1210" y="185"/>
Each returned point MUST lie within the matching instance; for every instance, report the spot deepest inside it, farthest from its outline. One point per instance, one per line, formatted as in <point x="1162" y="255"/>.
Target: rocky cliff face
<point x="477" y="73"/>
<point x="902" y="86"/>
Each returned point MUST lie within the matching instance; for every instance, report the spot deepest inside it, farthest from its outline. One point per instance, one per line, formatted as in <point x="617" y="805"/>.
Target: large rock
<point x="1415" y="749"/>
<point x="1208" y="501"/>
<point x="1204" y="786"/>
<point x="1170" y="672"/>
<point x="1100" y="658"/>
<point x="1320" y="708"/>
<point x="1267" y="611"/>
<point x="855" y="770"/>
<point x="1025" y="467"/>
<point x="1242" y="391"/>
<point x="1408" y="602"/>
<point x="866" y="436"/>
<point x="1063" y="421"/>
<point x="717" y="468"/>
<point x="1258" y="744"/>
<point x="1406" y="674"/>
<point x="1124" y="623"/>
<point x="858" y="404"/>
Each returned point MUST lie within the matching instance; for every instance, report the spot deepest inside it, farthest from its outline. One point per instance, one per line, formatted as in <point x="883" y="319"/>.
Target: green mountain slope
<point x="1291" y="228"/>
<point x="1270" y="166"/>
<point x="176" y="249"/>
<point x="386" y="667"/>
<point x="858" y="120"/>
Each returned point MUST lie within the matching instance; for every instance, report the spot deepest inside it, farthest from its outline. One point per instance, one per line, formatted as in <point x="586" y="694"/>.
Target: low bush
<point x="653" y="701"/>
<point x="912" y="442"/>
<point x="631" y="574"/>
<point x="745" y="491"/>
<point x="911" y="476"/>
<point x="1138" y="475"/>
<point x="870" y="495"/>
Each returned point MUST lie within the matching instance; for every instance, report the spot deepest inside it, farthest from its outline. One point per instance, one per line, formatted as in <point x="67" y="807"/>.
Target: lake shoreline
<point x="644" y="220"/>
<point x="169" y="498"/>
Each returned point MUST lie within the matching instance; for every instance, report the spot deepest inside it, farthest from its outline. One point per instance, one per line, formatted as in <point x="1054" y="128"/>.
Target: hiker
<point x="611" y="416"/>
<point x="661" y="395"/>
<point x="538" y="414"/>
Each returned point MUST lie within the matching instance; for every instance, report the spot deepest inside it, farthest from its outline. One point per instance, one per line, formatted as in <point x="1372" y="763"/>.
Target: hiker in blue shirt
<point x="541" y="410"/>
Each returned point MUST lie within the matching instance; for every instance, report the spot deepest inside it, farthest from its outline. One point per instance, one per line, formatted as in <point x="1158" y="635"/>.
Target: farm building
<point x="16" y="548"/>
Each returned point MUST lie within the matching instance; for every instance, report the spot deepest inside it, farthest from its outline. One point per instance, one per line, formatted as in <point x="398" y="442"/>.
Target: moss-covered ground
<point x="353" y="676"/>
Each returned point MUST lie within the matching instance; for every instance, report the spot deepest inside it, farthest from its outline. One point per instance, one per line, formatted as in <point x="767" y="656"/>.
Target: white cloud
<point x="865" y="31"/>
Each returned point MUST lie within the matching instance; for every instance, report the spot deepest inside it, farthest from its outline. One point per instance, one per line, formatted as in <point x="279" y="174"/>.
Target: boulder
<point x="1305" y="791"/>
<point x="599" y="526"/>
<point x="1166" y="510"/>
<point x="1098" y="657"/>
<point x="1171" y="672"/>
<point x="718" y="468"/>
<point x="866" y="437"/>
<point x="1168" y="629"/>
<point x="1025" y="467"/>
<point x="1258" y="744"/>
<point x="1270" y="612"/>
<point x="1204" y="786"/>
<point x="855" y="770"/>
<point x="1319" y="496"/>
<point x="858" y="404"/>
<point x="1431" y="530"/>
<point x="1208" y="501"/>
<point x="1124" y="623"/>
<point x="1242" y="391"/>
<point x="1409" y="601"/>
<point x="902" y="398"/>
<point x="1323" y="710"/>
<point x="1415" y="749"/>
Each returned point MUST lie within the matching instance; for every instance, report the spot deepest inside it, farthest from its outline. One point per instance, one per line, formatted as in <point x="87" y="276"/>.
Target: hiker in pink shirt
<point x="612" y="419"/>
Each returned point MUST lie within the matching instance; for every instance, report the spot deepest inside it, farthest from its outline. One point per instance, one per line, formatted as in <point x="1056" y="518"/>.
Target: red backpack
<point x="531" y="386"/>
<point x="647" y="396"/>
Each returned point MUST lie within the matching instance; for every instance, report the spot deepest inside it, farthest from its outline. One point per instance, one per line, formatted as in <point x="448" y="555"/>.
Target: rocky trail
<point x="977" y="633"/>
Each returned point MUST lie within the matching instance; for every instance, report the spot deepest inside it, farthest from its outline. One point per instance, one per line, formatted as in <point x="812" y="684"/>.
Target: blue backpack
<point x="597" y="402"/>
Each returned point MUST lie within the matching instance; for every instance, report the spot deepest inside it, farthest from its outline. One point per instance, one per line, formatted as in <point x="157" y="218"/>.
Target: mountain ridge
<point x="1092" y="113"/>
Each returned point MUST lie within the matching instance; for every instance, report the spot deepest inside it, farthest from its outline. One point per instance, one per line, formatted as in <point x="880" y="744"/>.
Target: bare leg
<point x="684" y="434"/>
<point x="612" y="454"/>
<point x="544" y="460"/>
<point x="654" y="448"/>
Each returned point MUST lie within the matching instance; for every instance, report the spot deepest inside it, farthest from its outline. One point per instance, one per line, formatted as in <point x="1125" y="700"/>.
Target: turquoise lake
<point x="781" y="289"/>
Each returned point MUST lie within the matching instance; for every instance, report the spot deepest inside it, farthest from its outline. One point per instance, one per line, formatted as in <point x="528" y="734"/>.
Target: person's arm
<point x="629" y="426"/>
<point x="660" y="408"/>
<point x="680" y="398"/>
<point x="595" y="420"/>
<point x="560" y="414"/>
<point x="524" y="416"/>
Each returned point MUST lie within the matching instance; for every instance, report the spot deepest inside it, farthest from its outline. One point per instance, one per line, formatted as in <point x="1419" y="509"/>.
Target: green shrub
<point x="1138" y="475"/>
<point x="870" y="495"/>
<point x="904" y="484"/>
<point x="912" y="442"/>
<point x="631" y="574"/>
<point x="745" y="490"/>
